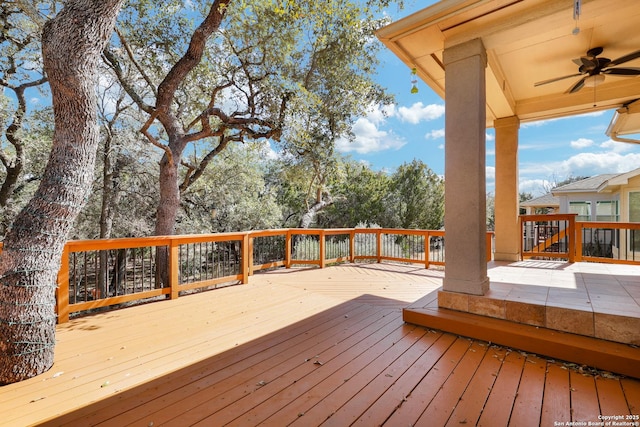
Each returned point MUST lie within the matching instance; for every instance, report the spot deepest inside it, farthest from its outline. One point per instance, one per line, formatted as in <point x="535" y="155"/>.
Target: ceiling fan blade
<point x="626" y="58"/>
<point x="595" y="51"/>
<point x="544" y="82"/>
<point x="623" y="71"/>
<point x="589" y="63"/>
<point x="577" y="86"/>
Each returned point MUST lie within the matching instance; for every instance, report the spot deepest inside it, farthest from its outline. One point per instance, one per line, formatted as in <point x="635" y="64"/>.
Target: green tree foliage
<point x="252" y="70"/>
<point x="416" y="198"/>
<point x="232" y="195"/>
<point x="21" y="74"/>
<point x="360" y="197"/>
<point x="491" y="212"/>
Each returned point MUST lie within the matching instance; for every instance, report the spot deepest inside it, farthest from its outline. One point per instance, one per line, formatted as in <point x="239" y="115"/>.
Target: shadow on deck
<point x="320" y="347"/>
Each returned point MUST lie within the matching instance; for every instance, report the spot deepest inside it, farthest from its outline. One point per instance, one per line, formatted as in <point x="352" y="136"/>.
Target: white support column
<point x="507" y="198"/>
<point x="465" y="187"/>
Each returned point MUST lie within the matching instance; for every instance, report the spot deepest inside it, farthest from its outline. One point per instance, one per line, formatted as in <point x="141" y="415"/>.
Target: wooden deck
<point x="303" y="347"/>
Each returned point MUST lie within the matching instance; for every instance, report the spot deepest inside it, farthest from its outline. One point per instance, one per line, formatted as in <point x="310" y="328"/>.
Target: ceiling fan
<point x="593" y="69"/>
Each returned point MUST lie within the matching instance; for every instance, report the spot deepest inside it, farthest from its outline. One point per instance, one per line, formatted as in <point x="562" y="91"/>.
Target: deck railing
<point x="108" y="272"/>
<point x="608" y="242"/>
<point x="561" y="236"/>
<point x="548" y="236"/>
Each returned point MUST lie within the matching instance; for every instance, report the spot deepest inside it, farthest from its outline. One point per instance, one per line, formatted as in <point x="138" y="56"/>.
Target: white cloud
<point x="616" y="147"/>
<point x="435" y="134"/>
<point x="584" y="164"/>
<point x="441" y="146"/>
<point x="369" y="138"/>
<point x="589" y="164"/>
<point x="378" y="113"/>
<point x="490" y="137"/>
<point x="490" y="172"/>
<point x="581" y="143"/>
<point x="267" y="152"/>
<point x="419" y="112"/>
<point x="537" y="187"/>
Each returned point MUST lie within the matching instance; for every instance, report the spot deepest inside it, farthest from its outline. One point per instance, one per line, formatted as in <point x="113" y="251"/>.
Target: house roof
<point x="604" y="183"/>
<point x="545" y="201"/>
<point x="585" y="185"/>
<point x="527" y="42"/>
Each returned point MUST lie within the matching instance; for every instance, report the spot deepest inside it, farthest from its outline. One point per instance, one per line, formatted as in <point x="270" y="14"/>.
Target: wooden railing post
<point x="249" y="262"/>
<point x="352" y="246"/>
<point x="489" y="238"/>
<point x="246" y="262"/>
<point x="522" y="237"/>
<point x="572" y="238"/>
<point x="62" y="290"/>
<point x="174" y="269"/>
<point x="321" y="238"/>
<point x="578" y="240"/>
<point x="427" y="247"/>
<point x="379" y="245"/>
<point x="287" y="255"/>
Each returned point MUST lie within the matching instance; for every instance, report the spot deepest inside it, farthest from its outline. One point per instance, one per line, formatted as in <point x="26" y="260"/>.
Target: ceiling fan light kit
<point x="593" y="81"/>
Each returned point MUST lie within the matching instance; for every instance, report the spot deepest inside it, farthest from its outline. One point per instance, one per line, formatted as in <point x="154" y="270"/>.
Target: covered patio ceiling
<point x="527" y="41"/>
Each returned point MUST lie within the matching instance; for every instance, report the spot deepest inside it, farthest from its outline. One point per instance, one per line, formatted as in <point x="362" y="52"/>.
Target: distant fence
<point x="108" y="272"/>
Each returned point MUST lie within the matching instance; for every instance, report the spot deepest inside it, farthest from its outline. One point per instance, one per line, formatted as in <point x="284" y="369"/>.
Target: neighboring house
<point x="606" y="197"/>
<point x="546" y="204"/>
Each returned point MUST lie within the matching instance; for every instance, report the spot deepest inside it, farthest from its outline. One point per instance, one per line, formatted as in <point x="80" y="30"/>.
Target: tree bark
<point x="169" y="183"/>
<point x="72" y="43"/>
<point x="310" y="215"/>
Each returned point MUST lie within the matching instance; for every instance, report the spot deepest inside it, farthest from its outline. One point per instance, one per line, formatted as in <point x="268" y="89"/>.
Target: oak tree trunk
<point x="71" y="47"/>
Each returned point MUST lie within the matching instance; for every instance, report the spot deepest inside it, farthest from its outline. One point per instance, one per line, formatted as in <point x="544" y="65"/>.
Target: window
<point x="634" y="206"/>
<point x="634" y="216"/>
<point x="607" y="211"/>
<point x="583" y="209"/>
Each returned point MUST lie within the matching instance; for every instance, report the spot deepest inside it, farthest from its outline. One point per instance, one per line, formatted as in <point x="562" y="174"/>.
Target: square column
<point x="507" y="227"/>
<point x="465" y="187"/>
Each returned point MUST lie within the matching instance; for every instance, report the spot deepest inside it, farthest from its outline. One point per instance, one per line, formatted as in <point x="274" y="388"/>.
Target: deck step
<point x="593" y="352"/>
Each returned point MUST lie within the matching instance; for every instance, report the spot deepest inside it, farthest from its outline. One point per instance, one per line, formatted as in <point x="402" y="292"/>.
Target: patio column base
<point x="460" y="288"/>
<point x="503" y="256"/>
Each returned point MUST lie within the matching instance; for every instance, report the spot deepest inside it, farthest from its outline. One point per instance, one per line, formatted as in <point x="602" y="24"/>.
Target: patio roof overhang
<point x="527" y="41"/>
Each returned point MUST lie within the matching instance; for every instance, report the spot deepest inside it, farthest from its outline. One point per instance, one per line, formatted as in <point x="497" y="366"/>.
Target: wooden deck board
<point x="358" y="392"/>
<point x="264" y="352"/>
<point x="319" y="384"/>
<point x="472" y="401"/>
<point x="497" y="409"/>
<point x="584" y="397"/>
<point x="527" y="406"/>
<point x="229" y="384"/>
<point x="449" y="396"/>
<point x="632" y="394"/>
<point x="246" y="355"/>
<point x="421" y="396"/>
<point x="396" y="395"/>
<point x="557" y="386"/>
<point x="611" y="396"/>
<point x="298" y="382"/>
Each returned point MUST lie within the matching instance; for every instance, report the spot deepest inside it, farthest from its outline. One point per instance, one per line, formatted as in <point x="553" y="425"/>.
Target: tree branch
<point x="132" y="58"/>
<point x="112" y="61"/>
<point x="193" y="56"/>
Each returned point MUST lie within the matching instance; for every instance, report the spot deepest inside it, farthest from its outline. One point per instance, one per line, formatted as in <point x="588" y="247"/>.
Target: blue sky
<point x="550" y="150"/>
